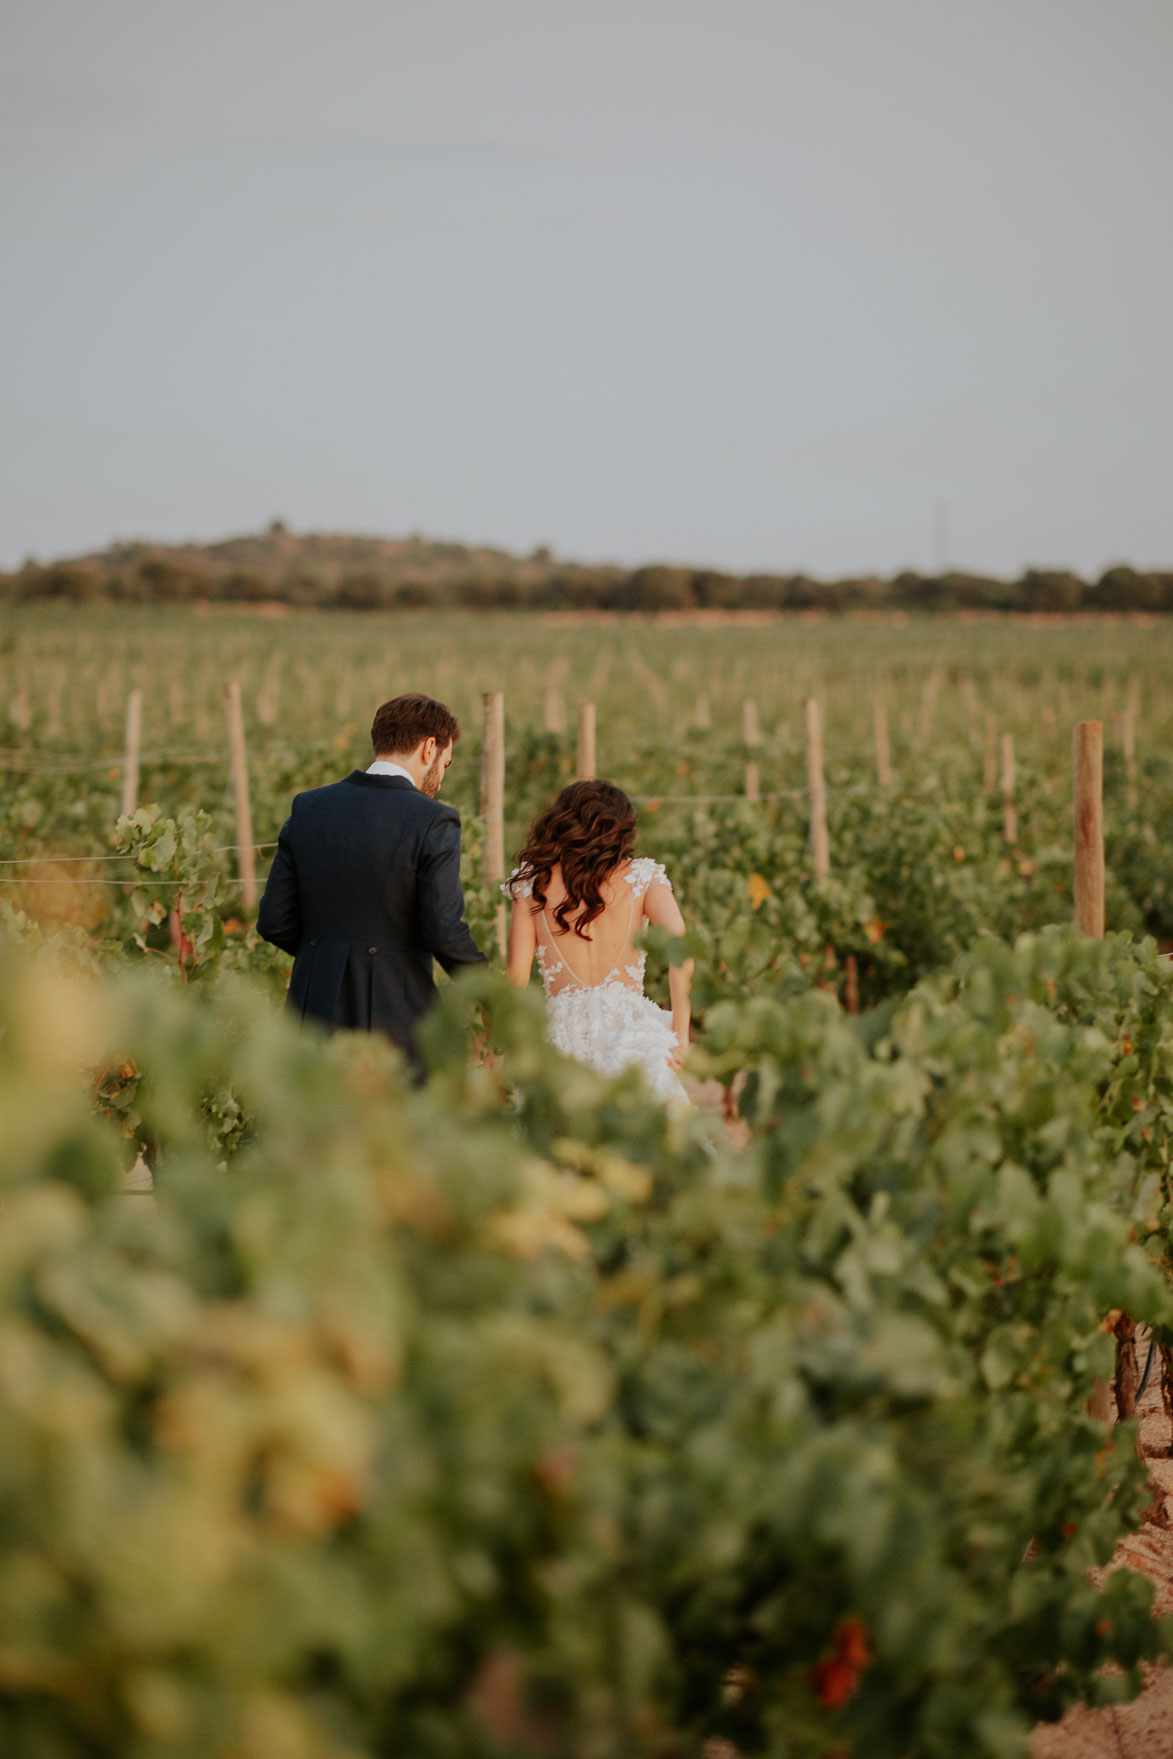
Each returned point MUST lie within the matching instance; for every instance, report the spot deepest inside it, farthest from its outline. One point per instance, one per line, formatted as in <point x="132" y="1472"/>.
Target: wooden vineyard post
<point x="134" y="729"/>
<point x="816" y="787"/>
<point x="749" y="735"/>
<point x="267" y="695"/>
<point x="238" y="761"/>
<point x="883" y="756"/>
<point x="584" y="768"/>
<point x="56" y="690"/>
<point x="749" y="722"/>
<point x="650" y="681"/>
<point x="1009" y="816"/>
<point x="990" y="766"/>
<point x="1089" y="828"/>
<point x="199" y="709"/>
<point x="1127" y="1367"/>
<point x="970" y="699"/>
<point x="1089" y="896"/>
<point x="1132" y="721"/>
<point x="493" y="799"/>
<point x="1128" y="740"/>
<point x="20" y="710"/>
<point x="928" y="705"/>
<point x="553" y="713"/>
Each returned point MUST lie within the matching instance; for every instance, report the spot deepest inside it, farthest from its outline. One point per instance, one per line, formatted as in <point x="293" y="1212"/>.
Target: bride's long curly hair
<point x="587" y="831"/>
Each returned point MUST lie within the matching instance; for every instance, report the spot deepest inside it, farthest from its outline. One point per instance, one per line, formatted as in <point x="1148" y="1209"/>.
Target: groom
<point x="364" y="890"/>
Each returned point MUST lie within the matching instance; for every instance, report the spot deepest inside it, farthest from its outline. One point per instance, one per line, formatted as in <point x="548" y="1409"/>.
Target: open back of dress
<point x="605" y="954"/>
<point x="598" y="1012"/>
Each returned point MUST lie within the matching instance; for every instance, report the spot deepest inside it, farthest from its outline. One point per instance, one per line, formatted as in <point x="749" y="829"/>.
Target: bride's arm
<point x="662" y="910"/>
<point x="522" y="941"/>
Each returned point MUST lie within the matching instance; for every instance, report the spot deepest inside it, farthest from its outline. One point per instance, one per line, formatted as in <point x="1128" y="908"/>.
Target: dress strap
<point x="623" y="943"/>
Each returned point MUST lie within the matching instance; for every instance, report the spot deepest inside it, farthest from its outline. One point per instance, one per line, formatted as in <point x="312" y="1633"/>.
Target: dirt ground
<point x="1143" y="1729"/>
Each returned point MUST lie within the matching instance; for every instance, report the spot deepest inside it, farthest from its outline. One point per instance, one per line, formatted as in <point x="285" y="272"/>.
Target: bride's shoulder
<point x="643" y="873"/>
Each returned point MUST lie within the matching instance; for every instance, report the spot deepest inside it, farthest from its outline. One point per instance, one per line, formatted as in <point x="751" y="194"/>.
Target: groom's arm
<point x="279" y="917"/>
<point x="443" y="929"/>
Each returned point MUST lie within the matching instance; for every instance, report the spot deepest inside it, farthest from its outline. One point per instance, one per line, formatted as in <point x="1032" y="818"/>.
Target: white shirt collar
<point x="383" y="766"/>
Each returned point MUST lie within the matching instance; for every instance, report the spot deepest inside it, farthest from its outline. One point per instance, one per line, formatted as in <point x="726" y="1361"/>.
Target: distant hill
<point x="326" y="571"/>
<point x="312" y="568"/>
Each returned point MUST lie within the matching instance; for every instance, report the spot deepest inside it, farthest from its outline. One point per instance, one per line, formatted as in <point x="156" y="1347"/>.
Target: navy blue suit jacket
<point x="365" y="893"/>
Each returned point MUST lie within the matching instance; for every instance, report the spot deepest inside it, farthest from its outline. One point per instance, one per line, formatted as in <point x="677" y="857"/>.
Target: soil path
<point x="1143" y="1729"/>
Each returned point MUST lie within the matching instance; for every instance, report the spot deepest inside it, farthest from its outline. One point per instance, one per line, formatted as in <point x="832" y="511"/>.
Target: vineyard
<point x="506" y="1416"/>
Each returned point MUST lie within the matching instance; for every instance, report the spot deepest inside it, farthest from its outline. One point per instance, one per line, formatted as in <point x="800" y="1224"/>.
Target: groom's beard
<point x="432" y="779"/>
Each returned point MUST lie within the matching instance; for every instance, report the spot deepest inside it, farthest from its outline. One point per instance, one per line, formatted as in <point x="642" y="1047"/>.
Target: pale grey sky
<point x="747" y="282"/>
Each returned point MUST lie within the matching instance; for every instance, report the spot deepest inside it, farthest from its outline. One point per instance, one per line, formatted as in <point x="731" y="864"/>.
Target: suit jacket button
<point x="372" y="949"/>
<point x="313" y="943"/>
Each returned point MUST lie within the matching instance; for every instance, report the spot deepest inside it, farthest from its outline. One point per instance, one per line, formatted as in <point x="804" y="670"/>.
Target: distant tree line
<point x="541" y="583"/>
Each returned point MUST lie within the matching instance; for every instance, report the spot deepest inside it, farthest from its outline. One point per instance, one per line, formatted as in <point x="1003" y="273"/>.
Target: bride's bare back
<point x="635" y="893"/>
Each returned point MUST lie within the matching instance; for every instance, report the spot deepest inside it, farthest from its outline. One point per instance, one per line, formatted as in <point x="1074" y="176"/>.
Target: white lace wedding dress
<point x="611" y="1025"/>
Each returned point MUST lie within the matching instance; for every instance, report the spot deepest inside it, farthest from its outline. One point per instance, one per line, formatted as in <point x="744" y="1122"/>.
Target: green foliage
<point x="918" y="870"/>
<point x="508" y="1417"/>
<point x="176" y="886"/>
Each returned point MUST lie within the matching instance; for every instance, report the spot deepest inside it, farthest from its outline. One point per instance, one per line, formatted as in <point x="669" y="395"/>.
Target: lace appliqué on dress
<point x="516" y="886"/>
<point x="612" y="1028"/>
<point x="549" y="964"/>
<point x="645" y="873"/>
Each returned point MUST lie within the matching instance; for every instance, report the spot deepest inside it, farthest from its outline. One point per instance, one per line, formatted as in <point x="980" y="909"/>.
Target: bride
<point x="579" y="901"/>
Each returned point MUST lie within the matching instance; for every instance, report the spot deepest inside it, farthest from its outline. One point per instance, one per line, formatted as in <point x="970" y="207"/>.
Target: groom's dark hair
<point x="405" y="722"/>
